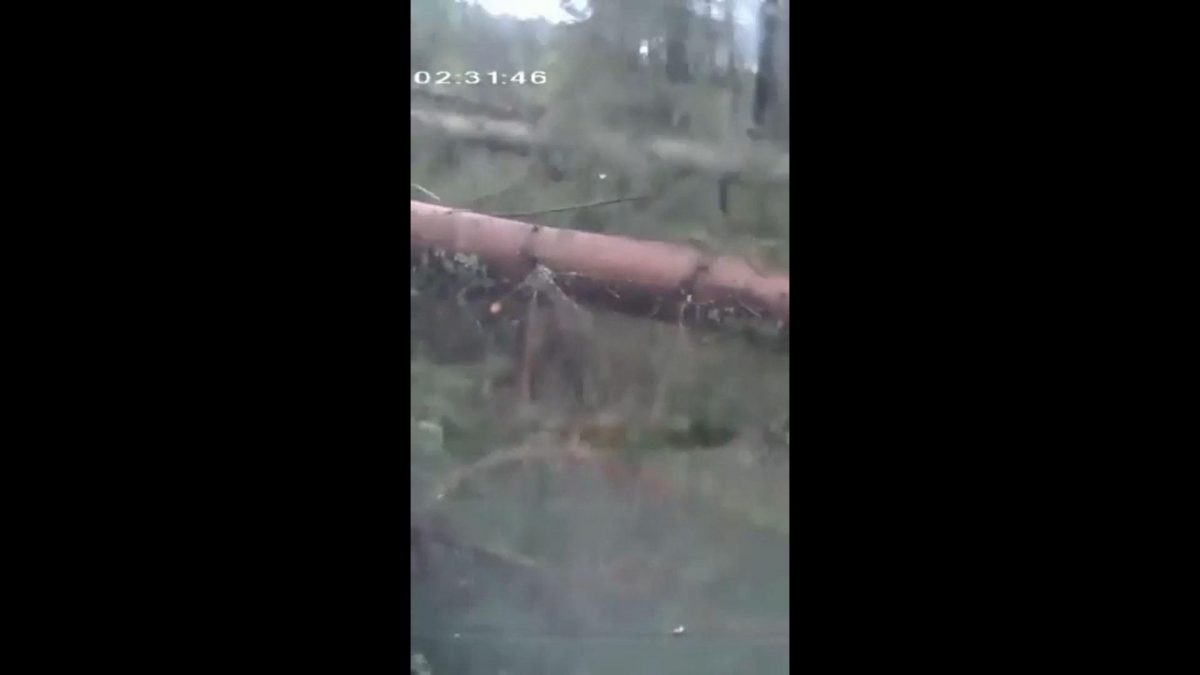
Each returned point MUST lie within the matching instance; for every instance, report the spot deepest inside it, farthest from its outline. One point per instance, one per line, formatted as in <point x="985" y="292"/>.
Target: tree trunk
<point x="648" y="279"/>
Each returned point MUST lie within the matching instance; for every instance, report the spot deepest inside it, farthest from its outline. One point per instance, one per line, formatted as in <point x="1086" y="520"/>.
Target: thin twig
<point x="488" y="554"/>
<point x="604" y="202"/>
<point x="435" y="197"/>
<point x="500" y="458"/>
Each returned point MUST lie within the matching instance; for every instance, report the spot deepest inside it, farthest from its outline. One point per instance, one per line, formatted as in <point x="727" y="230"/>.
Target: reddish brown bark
<point x="651" y="279"/>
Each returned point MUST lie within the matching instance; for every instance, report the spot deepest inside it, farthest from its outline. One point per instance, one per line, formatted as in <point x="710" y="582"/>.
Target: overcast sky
<point x="744" y="14"/>
<point x="550" y="10"/>
<point x="525" y="9"/>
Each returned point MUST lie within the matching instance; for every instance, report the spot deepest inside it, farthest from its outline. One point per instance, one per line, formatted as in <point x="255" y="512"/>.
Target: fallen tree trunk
<point x="468" y="106"/>
<point x="744" y="161"/>
<point x="649" y="279"/>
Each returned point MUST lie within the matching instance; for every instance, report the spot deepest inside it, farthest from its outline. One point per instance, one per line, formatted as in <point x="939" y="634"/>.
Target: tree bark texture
<point x="649" y="279"/>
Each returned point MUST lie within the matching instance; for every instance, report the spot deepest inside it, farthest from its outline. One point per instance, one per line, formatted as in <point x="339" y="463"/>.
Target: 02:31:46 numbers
<point x="474" y="77"/>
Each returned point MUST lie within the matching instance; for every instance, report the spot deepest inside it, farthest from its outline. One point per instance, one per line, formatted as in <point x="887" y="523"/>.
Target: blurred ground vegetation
<point x="550" y="537"/>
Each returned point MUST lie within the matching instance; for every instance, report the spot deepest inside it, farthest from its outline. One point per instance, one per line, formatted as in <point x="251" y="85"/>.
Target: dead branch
<point x="499" y="458"/>
<point x="573" y="207"/>
<point x="649" y="279"/>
